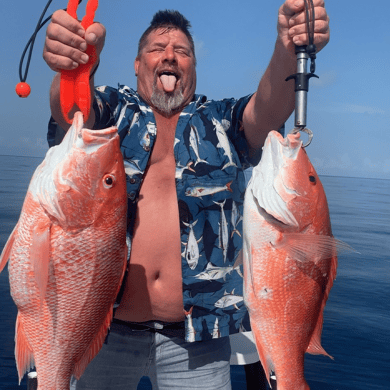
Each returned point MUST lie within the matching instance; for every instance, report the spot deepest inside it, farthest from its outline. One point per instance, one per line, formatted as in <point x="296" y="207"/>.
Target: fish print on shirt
<point x="214" y="273"/>
<point x="229" y="300"/>
<point x="223" y="141"/>
<point x="223" y="231"/>
<point x="216" y="332"/>
<point x="191" y="252"/>
<point x="200" y="191"/>
<point x="236" y="218"/>
<point x="180" y="169"/>
<point x="190" y="331"/>
<point x="194" y="142"/>
<point x="132" y="168"/>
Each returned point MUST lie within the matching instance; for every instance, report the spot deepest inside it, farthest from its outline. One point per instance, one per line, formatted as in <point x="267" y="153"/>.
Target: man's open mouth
<point x="168" y="80"/>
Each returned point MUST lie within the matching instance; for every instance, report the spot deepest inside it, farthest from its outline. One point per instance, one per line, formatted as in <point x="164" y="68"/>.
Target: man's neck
<point x="166" y="121"/>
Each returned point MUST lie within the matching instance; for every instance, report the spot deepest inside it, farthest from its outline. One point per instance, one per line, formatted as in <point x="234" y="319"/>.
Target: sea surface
<point x="356" y="328"/>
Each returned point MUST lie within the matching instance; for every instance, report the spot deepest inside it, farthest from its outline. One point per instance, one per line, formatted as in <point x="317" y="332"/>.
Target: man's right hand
<point x="66" y="41"/>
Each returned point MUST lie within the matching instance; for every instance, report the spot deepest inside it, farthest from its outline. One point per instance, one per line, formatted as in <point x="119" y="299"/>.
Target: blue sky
<point x="348" y="107"/>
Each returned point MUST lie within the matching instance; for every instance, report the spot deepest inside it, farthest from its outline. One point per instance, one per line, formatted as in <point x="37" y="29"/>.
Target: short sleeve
<point x="232" y="111"/>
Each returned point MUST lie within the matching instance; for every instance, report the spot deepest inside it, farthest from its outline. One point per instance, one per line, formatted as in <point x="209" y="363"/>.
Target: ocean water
<point x="357" y="316"/>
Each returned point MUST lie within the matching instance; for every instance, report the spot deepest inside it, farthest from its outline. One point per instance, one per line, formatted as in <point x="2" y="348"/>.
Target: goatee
<point x="167" y="103"/>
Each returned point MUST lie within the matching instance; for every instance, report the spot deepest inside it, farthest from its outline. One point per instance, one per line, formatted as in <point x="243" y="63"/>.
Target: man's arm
<point x="274" y="100"/>
<point x="65" y="43"/>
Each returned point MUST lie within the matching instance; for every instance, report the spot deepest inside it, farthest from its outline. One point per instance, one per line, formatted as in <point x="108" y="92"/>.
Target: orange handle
<point x="74" y="84"/>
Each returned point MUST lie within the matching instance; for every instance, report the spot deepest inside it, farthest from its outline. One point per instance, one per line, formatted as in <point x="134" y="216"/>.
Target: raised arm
<point x="274" y="100"/>
<point x="66" y="41"/>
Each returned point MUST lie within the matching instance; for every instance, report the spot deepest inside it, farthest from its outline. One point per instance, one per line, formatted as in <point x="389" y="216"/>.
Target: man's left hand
<point x="292" y="29"/>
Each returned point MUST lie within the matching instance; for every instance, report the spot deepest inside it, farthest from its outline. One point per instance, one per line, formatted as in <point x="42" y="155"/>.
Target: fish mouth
<point x="91" y="140"/>
<point x="290" y="146"/>
<point x="82" y="138"/>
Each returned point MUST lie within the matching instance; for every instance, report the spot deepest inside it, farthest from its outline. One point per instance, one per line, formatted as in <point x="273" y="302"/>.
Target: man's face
<point x="165" y="70"/>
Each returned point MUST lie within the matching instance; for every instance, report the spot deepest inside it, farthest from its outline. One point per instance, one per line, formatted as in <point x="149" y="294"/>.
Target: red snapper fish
<point x="67" y="255"/>
<point x="290" y="258"/>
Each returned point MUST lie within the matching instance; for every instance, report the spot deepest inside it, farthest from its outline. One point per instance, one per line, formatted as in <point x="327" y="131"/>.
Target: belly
<point x="153" y="289"/>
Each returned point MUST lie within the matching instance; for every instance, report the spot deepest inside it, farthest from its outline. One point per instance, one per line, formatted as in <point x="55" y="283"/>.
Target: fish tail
<point x="239" y="271"/>
<point x="229" y="164"/>
<point x="235" y="231"/>
<point x="228" y="186"/>
<point x="23" y="353"/>
<point x="199" y="160"/>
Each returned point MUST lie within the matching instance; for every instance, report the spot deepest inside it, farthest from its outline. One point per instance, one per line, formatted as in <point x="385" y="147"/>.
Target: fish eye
<point x="108" y="181"/>
<point x="312" y="179"/>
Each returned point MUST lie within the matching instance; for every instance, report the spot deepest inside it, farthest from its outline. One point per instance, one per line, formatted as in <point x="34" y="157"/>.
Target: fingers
<point x="96" y="35"/>
<point x="300" y="18"/>
<point x="298" y="29"/>
<point x="294" y="19"/>
<point x="291" y="7"/>
<point x="66" y="41"/>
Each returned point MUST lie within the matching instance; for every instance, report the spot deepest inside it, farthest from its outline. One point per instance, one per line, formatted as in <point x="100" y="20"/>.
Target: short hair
<point x="170" y="20"/>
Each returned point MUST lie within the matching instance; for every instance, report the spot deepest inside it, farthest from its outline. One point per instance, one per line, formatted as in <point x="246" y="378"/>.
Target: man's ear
<point x="136" y="66"/>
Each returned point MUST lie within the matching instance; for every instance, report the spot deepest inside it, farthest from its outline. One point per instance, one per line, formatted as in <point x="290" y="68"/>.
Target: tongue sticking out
<point x="168" y="82"/>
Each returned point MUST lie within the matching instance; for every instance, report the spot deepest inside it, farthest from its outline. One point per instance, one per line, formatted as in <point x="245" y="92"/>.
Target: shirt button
<point x="132" y="195"/>
<point x="132" y="180"/>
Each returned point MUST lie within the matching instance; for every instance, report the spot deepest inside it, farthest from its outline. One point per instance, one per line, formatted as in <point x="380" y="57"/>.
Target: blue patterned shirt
<point x="211" y="153"/>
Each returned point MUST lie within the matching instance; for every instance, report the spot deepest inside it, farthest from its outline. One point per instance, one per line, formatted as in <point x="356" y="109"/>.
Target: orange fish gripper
<point x="74" y="84"/>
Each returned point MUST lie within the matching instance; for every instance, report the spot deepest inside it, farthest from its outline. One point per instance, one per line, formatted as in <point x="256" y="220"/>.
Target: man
<point x="184" y="157"/>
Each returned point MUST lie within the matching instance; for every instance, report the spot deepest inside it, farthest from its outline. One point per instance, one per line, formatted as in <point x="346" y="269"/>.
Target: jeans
<point x="171" y="363"/>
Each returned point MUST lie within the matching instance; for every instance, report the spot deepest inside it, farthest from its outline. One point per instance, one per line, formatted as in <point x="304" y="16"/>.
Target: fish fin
<point x="229" y="164"/>
<point x="40" y="255"/>
<point x="239" y="259"/>
<point x="315" y="347"/>
<point x="6" y="253"/>
<point x="304" y="247"/>
<point x="23" y="354"/>
<point x="98" y="341"/>
<point x="235" y="231"/>
<point x="94" y="347"/>
<point x="251" y="256"/>
<point x="199" y="160"/>
<point x="239" y="271"/>
<point x="228" y="186"/>
<point x="265" y="361"/>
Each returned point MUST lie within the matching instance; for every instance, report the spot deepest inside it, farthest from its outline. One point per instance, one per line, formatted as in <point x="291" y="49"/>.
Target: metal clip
<point x="304" y="130"/>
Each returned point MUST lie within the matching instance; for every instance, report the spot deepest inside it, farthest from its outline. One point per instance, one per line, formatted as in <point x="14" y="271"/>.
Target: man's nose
<point x="169" y="54"/>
